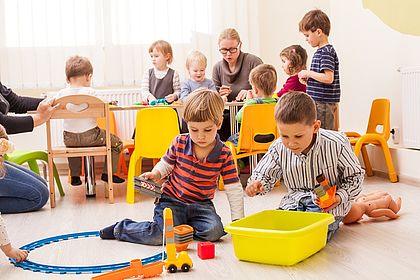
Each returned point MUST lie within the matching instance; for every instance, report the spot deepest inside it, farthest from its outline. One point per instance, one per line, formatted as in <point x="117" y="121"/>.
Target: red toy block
<point x="205" y="250"/>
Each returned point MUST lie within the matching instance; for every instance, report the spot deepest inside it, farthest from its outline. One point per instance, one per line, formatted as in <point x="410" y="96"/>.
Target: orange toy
<point x="324" y="192"/>
<point x="135" y="269"/>
<point x="377" y="204"/>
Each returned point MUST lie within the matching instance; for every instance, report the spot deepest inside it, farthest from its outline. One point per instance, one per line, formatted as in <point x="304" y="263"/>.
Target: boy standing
<point x="323" y="80"/>
<point x="85" y="132"/>
<point x="303" y="152"/>
<point x="191" y="168"/>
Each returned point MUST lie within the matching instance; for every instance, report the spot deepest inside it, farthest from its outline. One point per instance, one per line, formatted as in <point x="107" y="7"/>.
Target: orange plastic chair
<point x="156" y="128"/>
<point x="258" y="131"/>
<point x="127" y="143"/>
<point x="377" y="133"/>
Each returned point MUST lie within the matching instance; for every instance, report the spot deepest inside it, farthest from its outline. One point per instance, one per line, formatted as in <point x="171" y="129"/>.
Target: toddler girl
<point x="160" y="81"/>
<point x="196" y="66"/>
<point x="293" y="60"/>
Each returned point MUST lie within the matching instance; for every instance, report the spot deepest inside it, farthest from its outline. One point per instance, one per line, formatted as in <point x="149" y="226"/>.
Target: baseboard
<point x="401" y="178"/>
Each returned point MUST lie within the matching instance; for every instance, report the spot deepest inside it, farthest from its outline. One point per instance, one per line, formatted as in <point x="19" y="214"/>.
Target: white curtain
<point x="37" y="36"/>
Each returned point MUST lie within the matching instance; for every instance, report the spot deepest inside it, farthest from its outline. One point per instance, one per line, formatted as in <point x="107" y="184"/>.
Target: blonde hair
<point x="264" y="77"/>
<point x="77" y="66"/>
<point x="195" y="56"/>
<point x="163" y="47"/>
<point x="229" y="33"/>
<point x="297" y="57"/>
<point x="295" y="107"/>
<point x="313" y="20"/>
<point x="204" y="105"/>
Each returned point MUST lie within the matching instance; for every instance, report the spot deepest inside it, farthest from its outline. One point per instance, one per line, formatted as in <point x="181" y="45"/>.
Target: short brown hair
<point x="297" y="57"/>
<point x="164" y="47"/>
<point x="77" y="66"/>
<point x="229" y="33"/>
<point x="264" y="77"/>
<point x="295" y="107"/>
<point x="204" y="105"/>
<point x="313" y="20"/>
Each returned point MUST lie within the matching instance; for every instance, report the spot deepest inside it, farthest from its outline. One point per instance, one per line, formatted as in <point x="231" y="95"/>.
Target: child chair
<point x="156" y="128"/>
<point x="72" y="107"/>
<point x="21" y="156"/>
<point x="258" y="131"/>
<point x="377" y="133"/>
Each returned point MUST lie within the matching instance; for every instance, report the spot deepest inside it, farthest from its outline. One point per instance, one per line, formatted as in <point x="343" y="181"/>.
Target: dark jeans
<point x="306" y="204"/>
<point x="201" y="216"/>
<point x="21" y="190"/>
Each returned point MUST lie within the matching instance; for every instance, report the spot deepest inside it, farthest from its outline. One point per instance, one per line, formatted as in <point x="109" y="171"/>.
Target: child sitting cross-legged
<point x="304" y="151"/>
<point x="191" y="168"/>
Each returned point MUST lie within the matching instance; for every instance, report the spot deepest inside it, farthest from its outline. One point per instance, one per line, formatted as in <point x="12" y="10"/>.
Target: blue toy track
<point x="37" y="267"/>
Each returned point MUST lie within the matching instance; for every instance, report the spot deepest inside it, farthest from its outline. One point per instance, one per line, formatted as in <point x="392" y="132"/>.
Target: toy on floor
<point x="136" y="269"/>
<point x="46" y="268"/>
<point x="324" y="192"/>
<point x="173" y="260"/>
<point x="374" y="205"/>
<point x="205" y="250"/>
<point x="147" y="186"/>
<point x="183" y="237"/>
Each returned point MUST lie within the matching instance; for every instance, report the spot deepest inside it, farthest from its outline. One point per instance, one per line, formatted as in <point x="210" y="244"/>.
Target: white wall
<point x="370" y="52"/>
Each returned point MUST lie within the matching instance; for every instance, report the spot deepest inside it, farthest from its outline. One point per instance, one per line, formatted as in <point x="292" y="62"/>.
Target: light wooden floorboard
<point x="367" y="250"/>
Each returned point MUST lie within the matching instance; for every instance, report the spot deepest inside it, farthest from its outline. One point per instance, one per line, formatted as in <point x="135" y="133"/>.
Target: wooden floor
<point x="368" y="250"/>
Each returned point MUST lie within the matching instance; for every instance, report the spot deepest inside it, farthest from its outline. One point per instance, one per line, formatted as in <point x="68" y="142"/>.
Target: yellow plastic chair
<point x="258" y="131"/>
<point x="156" y="128"/>
<point x="377" y="133"/>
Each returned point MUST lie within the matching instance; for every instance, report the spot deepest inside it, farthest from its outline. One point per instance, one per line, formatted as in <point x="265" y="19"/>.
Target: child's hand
<point x="224" y="98"/>
<point x="336" y="202"/>
<point x="154" y="176"/>
<point x="14" y="253"/>
<point x="303" y="76"/>
<point x="6" y="146"/>
<point x="254" y="188"/>
<point x="171" y="98"/>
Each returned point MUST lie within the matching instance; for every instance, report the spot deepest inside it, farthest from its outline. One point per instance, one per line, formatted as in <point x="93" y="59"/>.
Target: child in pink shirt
<point x="293" y="60"/>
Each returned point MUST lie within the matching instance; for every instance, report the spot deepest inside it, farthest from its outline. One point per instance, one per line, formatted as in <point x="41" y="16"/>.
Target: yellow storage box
<point x="279" y="237"/>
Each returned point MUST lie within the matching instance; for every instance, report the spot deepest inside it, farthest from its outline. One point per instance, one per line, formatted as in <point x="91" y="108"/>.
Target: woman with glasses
<point x="230" y="75"/>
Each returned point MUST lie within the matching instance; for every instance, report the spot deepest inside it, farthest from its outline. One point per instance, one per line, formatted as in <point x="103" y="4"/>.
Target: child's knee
<point x="212" y="233"/>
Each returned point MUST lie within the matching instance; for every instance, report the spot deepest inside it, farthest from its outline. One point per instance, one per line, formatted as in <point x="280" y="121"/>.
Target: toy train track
<point x="37" y="267"/>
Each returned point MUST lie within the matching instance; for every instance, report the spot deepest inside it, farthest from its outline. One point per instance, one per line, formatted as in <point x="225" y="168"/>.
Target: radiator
<point x="125" y="120"/>
<point x="410" y="101"/>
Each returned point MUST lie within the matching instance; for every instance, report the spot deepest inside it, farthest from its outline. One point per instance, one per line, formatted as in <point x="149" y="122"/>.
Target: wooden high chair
<point x="73" y="107"/>
<point x="377" y="133"/>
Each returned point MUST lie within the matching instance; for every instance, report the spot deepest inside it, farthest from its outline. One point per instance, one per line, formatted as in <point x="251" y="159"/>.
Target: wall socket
<point x="395" y="135"/>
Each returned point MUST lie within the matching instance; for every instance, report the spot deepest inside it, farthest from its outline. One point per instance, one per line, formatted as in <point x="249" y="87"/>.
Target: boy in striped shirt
<point x="191" y="168"/>
<point x="304" y="151"/>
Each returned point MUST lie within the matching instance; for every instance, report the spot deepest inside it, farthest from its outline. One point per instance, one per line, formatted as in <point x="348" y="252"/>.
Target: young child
<point x="263" y="79"/>
<point x="196" y="66"/>
<point x="323" y="80"/>
<point x="293" y="60"/>
<point x="85" y="132"/>
<point x="160" y="81"/>
<point x="20" y="255"/>
<point x="303" y="152"/>
<point x="191" y="168"/>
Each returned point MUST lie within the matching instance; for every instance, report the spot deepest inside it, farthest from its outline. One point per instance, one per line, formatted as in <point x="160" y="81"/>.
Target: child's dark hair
<point x="264" y="77"/>
<point x="204" y="105"/>
<point x="297" y="57"/>
<point x="295" y="107"/>
<point x="77" y="66"/>
<point x="313" y="20"/>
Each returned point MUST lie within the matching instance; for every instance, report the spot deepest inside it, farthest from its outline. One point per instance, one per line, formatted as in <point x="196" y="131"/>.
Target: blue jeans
<point x="22" y="190"/>
<point x="306" y="204"/>
<point x="201" y="216"/>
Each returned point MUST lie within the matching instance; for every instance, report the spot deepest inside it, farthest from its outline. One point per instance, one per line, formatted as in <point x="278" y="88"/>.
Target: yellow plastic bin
<point x="279" y="237"/>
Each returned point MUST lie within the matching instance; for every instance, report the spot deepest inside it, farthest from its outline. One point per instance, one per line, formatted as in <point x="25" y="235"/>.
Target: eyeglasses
<point x="231" y="50"/>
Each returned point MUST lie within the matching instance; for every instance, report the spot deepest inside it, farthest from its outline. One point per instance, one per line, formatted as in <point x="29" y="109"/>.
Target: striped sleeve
<point x="170" y="156"/>
<point x="144" y="86"/>
<point x="4" y="239"/>
<point x="176" y="84"/>
<point x="228" y="171"/>
<point x="327" y="60"/>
